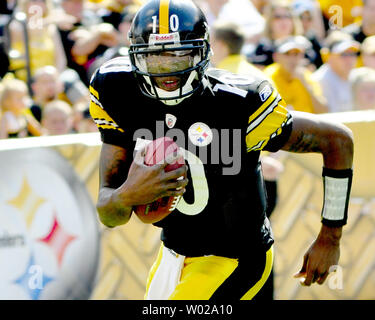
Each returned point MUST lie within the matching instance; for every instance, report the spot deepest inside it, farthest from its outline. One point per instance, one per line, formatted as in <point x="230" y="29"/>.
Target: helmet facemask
<point x="168" y="70"/>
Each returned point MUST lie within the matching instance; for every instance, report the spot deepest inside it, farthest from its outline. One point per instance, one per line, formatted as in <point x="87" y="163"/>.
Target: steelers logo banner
<point x="49" y="236"/>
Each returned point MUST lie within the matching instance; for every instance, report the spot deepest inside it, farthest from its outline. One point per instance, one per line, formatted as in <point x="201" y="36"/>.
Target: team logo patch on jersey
<point x="170" y="120"/>
<point x="265" y="93"/>
<point x="200" y="134"/>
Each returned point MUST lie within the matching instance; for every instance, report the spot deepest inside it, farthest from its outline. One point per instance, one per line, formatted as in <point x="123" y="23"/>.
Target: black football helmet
<point x="172" y="28"/>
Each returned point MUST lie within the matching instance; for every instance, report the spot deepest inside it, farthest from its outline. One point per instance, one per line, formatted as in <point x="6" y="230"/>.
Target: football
<point x="156" y="152"/>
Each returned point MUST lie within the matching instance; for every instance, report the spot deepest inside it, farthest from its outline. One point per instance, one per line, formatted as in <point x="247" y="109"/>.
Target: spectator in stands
<point x="280" y="23"/>
<point x="211" y="9"/>
<point x="311" y="17"/>
<point x="5" y="15"/>
<point x="16" y="119"/>
<point x="92" y="42"/>
<point x="57" y="118"/>
<point x="368" y="52"/>
<point x="227" y="40"/>
<point x="4" y="60"/>
<point x="122" y="48"/>
<point x="293" y="79"/>
<point x="86" y="124"/>
<point x="245" y="14"/>
<point x="342" y="55"/>
<point x="6" y="7"/>
<point x="48" y="85"/>
<point x="75" y="92"/>
<point x="86" y="39"/>
<point x="260" y="5"/>
<point x="44" y="42"/>
<point x="362" y="81"/>
<point x="313" y="27"/>
<point x="111" y="11"/>
<point x="1" y="90"/>
<point x="366" y="28"/>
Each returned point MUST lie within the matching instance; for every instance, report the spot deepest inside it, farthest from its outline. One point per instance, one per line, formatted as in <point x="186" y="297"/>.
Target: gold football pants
<point x="176" y="277"/>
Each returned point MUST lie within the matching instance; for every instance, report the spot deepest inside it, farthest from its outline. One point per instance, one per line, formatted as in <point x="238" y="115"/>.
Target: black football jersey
<point x="222" y="129"/>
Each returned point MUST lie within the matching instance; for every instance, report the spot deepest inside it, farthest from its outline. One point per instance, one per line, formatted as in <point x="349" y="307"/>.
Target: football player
<point x="217" y="243"/>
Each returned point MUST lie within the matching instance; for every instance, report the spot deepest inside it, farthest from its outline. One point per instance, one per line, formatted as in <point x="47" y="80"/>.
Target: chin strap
<point x="174" y="102"/>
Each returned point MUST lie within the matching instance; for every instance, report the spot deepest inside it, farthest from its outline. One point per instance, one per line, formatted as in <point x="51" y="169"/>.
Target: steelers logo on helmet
<point x="169" y="49"/>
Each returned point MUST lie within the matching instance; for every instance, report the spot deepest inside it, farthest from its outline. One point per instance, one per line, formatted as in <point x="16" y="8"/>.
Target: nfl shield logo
<point x="170" y="120"/>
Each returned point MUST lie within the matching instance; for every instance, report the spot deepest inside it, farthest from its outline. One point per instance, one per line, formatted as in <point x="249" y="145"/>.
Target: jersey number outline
<point x="229" y="82"/>
<point x="200" y="186"/>
<point x="198" y="177"/>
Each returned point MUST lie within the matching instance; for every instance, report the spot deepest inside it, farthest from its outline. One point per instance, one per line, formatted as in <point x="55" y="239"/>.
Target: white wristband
<point x="336" y="190"/>
<point x="337" y="185"/>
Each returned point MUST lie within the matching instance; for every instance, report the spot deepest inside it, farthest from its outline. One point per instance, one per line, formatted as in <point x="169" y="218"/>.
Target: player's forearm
<point x="335" y="142"/>
<point x="112" y="208"/>
<point x="338" y="152"/>
<point x="313" y="134"/>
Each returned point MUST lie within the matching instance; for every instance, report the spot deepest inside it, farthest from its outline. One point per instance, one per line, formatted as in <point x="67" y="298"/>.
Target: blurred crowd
<point x="319" y="54"/>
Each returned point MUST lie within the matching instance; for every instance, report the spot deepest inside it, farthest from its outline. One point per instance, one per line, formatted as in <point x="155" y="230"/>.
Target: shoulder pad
<point x="111" y="73"/>
<point x="109" y="80"/>
<point x="247" y="83"/>
<point x="119" y="64"/>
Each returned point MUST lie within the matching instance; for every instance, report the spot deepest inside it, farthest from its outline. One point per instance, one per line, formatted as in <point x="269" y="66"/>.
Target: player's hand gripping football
<point x="322" y="254"/>
<point x="145" y="183"/>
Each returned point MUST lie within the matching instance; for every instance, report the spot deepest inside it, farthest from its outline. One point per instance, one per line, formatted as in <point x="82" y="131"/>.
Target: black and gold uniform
<point x="217" y="243"/>
<point x="225" y="216"/>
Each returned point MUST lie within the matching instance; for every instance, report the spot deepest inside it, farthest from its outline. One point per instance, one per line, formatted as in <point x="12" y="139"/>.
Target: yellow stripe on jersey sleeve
<point x="264" y="106"/>
<point x="94" y="92"/>
<point x="101" y="118"/>
<point x="271" y="126"/>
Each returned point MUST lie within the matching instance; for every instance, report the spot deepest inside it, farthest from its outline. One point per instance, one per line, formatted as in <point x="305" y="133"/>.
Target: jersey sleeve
<point x="270" y="123"/>
<point x="110" y="131"/>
